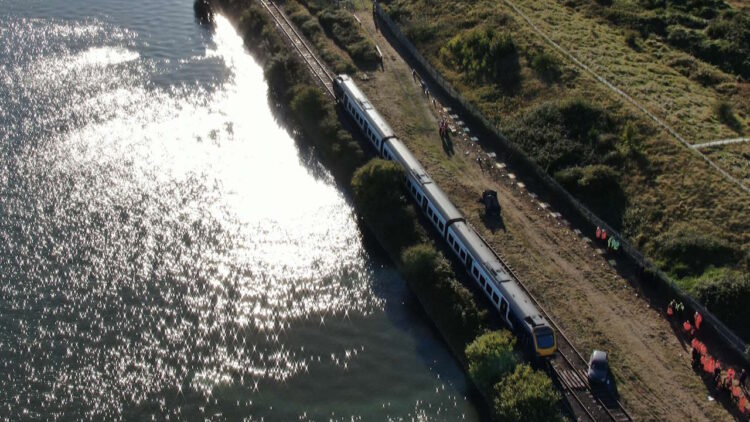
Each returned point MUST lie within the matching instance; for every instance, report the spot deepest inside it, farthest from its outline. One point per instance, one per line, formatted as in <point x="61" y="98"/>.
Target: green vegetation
<point x="726" y="293"/>
<point x="546" y="66"/>
<point x="450" y="304"/>
<point x="344" y="30"/>
<point x="311" y="28"/>
<point x="491" y="357"/>
<point x="708" y="29"/>
<point x="485" y="55"/>
<point x="377" y="193"/>
<point x="574" y="140"/>
<point x="526" y="395"/>
<point x="689" y="251"/>
<point x="726" y="115"/>
<point x="518" y="393"/>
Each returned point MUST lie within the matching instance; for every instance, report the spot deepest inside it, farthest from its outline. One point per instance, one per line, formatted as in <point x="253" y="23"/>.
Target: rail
<point x="316" y="66"/>
<point x="595" y="402"/>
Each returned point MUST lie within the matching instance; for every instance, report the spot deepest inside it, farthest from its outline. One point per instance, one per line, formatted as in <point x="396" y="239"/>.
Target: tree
<point x="526" y="395"/>
<point x="377" y="190"/>
<point x="491" y="357"/>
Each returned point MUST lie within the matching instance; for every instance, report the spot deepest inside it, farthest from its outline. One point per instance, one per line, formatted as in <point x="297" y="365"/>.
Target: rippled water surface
<point x="167" y="250"/>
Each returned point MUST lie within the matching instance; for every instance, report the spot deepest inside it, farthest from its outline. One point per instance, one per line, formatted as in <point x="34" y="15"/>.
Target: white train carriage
<point x="506" y="295"/>
<point x="372" y="124"/>
<point x="485" y="268"/>
<point x="433" y="202"/>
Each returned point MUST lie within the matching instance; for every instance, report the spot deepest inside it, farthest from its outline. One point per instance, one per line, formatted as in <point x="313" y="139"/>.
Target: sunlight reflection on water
<point x="168" y="251"/>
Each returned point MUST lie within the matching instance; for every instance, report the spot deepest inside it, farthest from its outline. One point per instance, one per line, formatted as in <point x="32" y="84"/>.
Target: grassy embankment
<point x="664" y="198"/>
<point x="520" y="394"/>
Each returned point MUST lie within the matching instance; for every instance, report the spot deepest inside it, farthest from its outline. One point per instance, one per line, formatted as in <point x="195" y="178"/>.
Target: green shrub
<point x="526" y="395"/>
<point x="597" y="186"/>
<point x="377" y="190"/>
<point x="252" y="21"/>
<point x="562" y="134"/>
<point x="450" y="304"/>
<point x="631" y="39"/>
<point x="726" y="294"/>
<point x="485" y="55"/>
<point x="631" y="140"/>
<point x="546" y="66"/>
<point x="688" y="251"/>
<point x="726" y="115"/>
<point x="491" y="357"/>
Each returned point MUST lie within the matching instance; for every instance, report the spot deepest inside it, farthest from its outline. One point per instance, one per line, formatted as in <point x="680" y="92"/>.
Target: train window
<point x="488" y="288"/>
<point x="495" y="298"/>
<point x="442" y="226"/>
<point x="434" y="218"/>
<point x="503" y="307"/>
<point x="463" y="254"/>
<point x="429" y="212"/>
<point x="481" y="279"/>
<point x="450" y="239"/>
<point x="475" y="272"/>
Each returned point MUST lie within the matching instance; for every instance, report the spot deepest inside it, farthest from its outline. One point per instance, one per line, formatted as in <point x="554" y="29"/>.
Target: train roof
<point x="520" y="301"/>
<point x="481" y="252"/>
<point x="402" y="154"/>
<point x="440" y="201"/>
<point x="372" y="114"/>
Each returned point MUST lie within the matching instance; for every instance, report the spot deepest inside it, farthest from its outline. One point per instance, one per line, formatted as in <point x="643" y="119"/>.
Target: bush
<point x="726" y="294"/>
<point x="686" y="251"/>
<point x="631" y="39"/>
<point x="526" y="395"/>
<point x="546" y="66"/>
<point x="597" y="186"/>
<point x="726" y="115"/>
<point x="485" y="55"/>
<point x="450" y="304"/>
<point x="491" y="357"/>
<point x="562" y="134"/>
<point x="377" y="190"/>
<point x="631" y="139"/>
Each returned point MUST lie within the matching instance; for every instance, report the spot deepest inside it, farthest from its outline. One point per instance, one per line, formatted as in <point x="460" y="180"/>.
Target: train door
<point x="504" y="311"/>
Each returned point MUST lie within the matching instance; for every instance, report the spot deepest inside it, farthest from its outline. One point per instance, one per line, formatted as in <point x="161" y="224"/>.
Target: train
<point x="482" y="264"/>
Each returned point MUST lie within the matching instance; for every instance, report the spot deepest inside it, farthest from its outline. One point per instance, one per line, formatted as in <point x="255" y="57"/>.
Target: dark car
<point x="598" y="367"/>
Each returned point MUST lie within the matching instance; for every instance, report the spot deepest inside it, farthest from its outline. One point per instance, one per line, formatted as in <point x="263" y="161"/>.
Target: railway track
<point x="316" y="66"/>
<point x="568" y="368"/>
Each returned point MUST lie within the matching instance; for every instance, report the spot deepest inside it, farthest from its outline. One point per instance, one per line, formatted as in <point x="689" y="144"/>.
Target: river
<point x="168" y="251"/>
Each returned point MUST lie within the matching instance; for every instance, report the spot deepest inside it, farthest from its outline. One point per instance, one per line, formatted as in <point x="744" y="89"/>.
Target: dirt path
<point x="594" y="305"/>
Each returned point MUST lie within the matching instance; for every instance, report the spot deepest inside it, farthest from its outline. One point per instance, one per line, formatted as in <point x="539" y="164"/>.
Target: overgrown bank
<point x="376" y="186"/>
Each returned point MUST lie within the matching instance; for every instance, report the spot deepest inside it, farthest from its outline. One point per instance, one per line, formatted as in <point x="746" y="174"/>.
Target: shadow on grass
<point x="494" y="222"/>
<point x="447" y="145"/>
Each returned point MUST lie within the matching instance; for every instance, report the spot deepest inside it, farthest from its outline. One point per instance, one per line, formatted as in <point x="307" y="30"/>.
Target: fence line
<point x="727" y="336"/>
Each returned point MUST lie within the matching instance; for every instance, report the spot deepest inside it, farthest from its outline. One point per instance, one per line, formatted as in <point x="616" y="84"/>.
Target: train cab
<point x="545" y="343"/>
